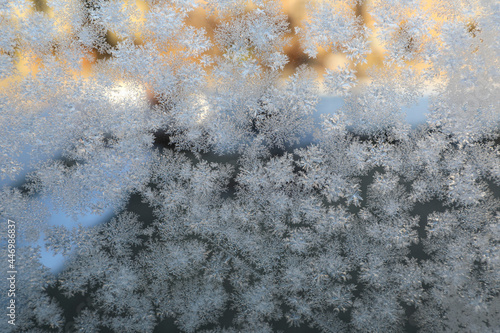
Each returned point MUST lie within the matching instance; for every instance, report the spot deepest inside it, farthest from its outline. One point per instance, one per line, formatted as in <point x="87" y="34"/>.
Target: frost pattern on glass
<point x="373" y="226"/>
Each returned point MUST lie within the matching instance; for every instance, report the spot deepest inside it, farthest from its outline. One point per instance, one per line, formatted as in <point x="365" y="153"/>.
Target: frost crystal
<point x="230" y="207"/>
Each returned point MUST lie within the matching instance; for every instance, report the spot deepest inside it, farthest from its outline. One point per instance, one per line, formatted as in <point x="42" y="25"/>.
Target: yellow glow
<point x="294" y="9"/>
<point x="126" y="91"/>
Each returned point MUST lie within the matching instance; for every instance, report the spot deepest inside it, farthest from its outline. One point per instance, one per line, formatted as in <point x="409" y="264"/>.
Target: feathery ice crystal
<point x="373" y="226"/>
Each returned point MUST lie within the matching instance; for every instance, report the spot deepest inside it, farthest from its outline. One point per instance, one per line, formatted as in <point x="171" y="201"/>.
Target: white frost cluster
<point x="374" y="226"/>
